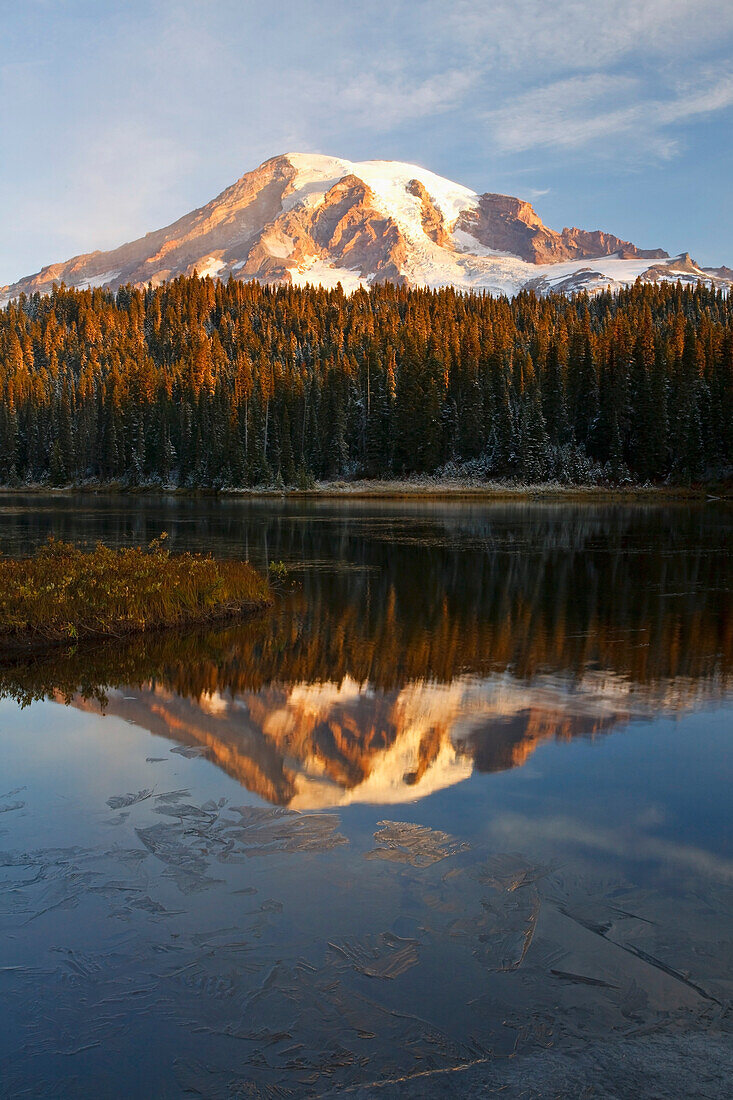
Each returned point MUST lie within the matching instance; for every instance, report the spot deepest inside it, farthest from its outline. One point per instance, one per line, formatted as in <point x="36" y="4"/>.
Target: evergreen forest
<point x="198" y="383"/>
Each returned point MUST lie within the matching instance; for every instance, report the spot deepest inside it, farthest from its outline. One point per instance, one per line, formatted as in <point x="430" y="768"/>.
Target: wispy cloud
<point x="633" y="844"/>
<point x="581" y="35"/>
<point x="390" y="97"/>
<point x="583" y="110"/>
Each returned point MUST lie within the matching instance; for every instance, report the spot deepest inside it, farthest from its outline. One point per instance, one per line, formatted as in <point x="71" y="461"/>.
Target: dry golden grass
<point x="64" y="593"/>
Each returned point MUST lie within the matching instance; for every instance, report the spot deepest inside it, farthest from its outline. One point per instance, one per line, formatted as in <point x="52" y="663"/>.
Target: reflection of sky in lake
<point x="532" y="861"/>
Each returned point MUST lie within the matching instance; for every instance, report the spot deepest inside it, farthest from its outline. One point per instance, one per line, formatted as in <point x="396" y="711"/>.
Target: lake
<point x="452" y="819"/>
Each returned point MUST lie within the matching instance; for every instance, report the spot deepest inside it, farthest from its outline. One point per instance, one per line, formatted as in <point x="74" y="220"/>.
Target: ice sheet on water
<point x="167" y="797"/>
<point x="314" y="1027"/>
<point x="187" y="810"/>
<point x="402" y="842"/>
<point x="384" y="956"/>
<point x="504" y="931"/>
<point x="119" y="820"/>
<point x="122" y="801"/>
<point x="493" y="907"/>
<point x="199" y="834"/>
<point x="190" y="882"/>
<point x="570" y="960"/>
<point x="198" y="1079"/>
<point x="509" y="871"/>
<point x="166" y="843"/>
<point x="187" y="858"/>
<point x="12" y="793"/>
<point x="9" y="803"/>
<point x="265" y="831"/>
<point x="637" y="923"/>
<point x="150" y="905"/>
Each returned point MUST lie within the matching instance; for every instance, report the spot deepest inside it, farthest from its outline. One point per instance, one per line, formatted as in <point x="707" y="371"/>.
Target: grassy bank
<point x="63" y="593"/>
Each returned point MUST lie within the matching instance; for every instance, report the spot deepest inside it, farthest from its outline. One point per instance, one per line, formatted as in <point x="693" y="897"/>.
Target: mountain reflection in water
<point x="310" y="746"/>
<point x="431" y="656"/>
<point x="560" y="929"/>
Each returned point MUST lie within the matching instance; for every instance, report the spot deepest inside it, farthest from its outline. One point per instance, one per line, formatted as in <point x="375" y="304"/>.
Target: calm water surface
<point x="452" y="820"/>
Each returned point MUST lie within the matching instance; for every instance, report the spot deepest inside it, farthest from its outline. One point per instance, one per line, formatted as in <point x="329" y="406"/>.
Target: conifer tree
<point x="213" y="384"/>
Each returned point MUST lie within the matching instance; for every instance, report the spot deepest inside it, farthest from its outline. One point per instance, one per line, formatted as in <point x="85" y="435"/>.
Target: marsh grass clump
<point x="65" y="592"/>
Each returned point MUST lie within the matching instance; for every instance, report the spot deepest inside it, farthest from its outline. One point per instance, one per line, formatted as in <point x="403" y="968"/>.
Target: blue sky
<point x="116" y="118"/>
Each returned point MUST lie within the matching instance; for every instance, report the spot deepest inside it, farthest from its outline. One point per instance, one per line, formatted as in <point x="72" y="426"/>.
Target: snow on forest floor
<point x="466" y="486"/>
<point x="425" y="486"/>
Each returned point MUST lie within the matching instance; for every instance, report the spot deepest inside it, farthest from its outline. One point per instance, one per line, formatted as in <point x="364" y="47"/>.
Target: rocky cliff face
<point x="306" y="218"/>
<point x="509" y="225"/>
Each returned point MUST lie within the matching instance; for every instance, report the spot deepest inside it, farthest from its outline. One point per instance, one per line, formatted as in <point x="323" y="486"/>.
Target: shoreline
<point x="379" y="489"/>
<point x="15" y="649"/>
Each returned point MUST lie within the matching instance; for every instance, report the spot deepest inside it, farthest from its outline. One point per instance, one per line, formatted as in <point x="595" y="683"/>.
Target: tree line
<point x="209" y="384"/>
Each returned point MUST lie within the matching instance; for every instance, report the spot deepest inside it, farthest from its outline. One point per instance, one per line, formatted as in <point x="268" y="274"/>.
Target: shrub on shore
<point x="64" y="593"/>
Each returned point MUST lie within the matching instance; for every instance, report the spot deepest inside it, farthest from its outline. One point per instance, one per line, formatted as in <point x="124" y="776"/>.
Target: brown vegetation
<point x="65" y="593"/>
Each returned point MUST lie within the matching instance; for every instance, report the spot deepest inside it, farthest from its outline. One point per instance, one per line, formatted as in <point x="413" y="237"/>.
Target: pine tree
<point x="288" y="462"/>
<point x="533" y="442"/>
<point x="553" y="398"/>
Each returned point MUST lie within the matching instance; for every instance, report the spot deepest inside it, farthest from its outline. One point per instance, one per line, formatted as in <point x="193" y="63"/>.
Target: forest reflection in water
<point x="421" y="654"/>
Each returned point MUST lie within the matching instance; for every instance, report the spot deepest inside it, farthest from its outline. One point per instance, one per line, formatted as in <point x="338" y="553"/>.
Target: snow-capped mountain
<point x="305" y="218"/>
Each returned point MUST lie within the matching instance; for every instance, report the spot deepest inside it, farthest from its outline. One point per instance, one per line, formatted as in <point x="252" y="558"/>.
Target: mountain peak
<point x="309" y="217"/>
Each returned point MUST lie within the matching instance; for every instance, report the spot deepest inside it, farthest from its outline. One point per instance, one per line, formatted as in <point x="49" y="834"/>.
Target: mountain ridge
<point x="309" y="218"/>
